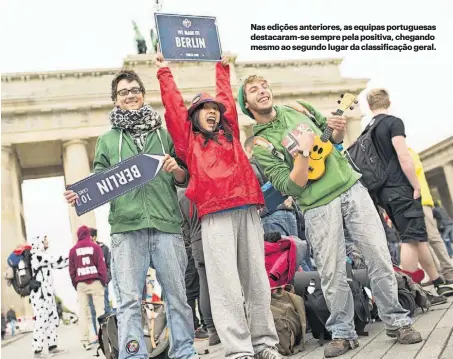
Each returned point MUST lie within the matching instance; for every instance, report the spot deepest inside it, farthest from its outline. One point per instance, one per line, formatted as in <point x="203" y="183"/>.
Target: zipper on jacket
<point x="143" y="152"/>
<point x="139" y="152"/>
<point x="143" y="188"/>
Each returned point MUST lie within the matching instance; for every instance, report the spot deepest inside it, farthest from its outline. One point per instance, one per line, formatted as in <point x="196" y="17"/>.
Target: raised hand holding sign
<point x="188" y="37"/>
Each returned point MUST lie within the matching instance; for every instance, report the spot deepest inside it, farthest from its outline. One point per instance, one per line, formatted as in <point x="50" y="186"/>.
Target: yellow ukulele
<point x="322" y="147"/>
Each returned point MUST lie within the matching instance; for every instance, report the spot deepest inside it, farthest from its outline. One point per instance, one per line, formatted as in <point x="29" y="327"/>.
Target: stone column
<point x="12" y="217"/>
<point x="245" y="125"/>
<point x="353" y="131"/>
<point x="448" y="172"/>
<point x="76" y="165"/>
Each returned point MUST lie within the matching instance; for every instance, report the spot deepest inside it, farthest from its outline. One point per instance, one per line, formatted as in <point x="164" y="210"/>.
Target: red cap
<point x="202" y="98"/>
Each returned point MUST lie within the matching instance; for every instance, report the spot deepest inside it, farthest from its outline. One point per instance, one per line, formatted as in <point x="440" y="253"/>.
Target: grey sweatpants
<point x="233" y="244"/>
<point x="355" y="210"/>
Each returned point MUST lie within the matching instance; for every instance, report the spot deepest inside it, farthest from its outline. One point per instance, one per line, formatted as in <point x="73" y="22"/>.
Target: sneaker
<point x="338" y="347"/>
<point x="87" y="346"/>
<point x="436" y="299"/>
<point x="268" y="353"/>
<point x="56" y="351"/>
<point x="445" y="289"/>
<point x="213" y="337"/>
<point x="201" y="334"/>
<point x="405" y="335"/>
<point x="41" y="355"/>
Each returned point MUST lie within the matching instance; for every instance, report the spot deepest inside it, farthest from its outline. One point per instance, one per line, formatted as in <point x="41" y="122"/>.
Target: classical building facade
<point x="438" y="165"/>
<point x="51" y="121"/>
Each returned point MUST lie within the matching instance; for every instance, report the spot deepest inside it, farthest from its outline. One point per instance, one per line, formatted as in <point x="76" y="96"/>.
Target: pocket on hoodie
<point x="129" y="207"/>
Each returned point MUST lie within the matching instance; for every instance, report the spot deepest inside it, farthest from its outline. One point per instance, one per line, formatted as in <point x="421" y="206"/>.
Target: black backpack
<point x="20" y="275"/>
<point x="157" y="333"/>
<point x="362" y="314"/>
<point x="364" y="158"/>
<point x="317" y="312"/>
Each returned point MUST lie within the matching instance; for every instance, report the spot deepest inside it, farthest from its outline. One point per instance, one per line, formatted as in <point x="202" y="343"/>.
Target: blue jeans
<point x="447" y="236"/>
<point x="281" y="221"/>
<point x="13" y="327"/>
<point x="354" y="211"/>
<point x="132" y="254"/>
<point x="107" y="308"/>
<point x="285" y="223"/>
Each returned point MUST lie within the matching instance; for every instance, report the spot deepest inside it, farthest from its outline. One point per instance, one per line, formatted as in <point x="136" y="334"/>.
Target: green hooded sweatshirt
<point x="337" y="179"/>
<point x="154" y="205"/>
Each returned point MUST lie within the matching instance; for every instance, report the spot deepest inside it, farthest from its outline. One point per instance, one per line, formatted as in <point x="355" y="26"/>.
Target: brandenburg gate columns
<point x="12" y="222"/>
<point x="76" y="165"/>
<point x="448" y="172"/>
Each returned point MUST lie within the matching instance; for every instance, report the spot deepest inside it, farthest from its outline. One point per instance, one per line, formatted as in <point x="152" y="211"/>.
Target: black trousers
<point x="196" y="258"/>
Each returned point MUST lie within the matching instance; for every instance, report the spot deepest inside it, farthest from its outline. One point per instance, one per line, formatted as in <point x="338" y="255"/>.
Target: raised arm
<point x="176" y="116"/>
<point x="225" y="95"/>
<point x="59" y="262"/>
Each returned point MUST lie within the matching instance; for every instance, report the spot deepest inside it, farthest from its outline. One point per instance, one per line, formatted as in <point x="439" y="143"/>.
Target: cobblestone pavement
<point x="436" y="327"/>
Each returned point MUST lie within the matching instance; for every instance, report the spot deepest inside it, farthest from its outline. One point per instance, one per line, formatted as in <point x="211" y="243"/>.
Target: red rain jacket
<point x="220" y="173"/>
<point x="280" y="260"/>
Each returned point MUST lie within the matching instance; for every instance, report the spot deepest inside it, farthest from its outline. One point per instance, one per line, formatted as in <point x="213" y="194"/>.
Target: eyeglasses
<point x="133" y="90"/>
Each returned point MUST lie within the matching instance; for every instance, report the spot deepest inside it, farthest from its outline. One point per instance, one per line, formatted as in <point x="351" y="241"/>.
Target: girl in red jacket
<point x="226" y="192"/>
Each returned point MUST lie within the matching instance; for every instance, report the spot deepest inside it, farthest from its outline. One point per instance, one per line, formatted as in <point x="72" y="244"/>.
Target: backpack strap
<point x="296" y="106"/>
<point x="375" y="121"/>
<point x="263" y="178"/>
<point x="262" y="142"/>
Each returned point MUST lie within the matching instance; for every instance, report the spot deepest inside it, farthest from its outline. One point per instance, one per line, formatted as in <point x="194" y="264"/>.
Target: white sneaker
<point x="57" y="351"/>
<point x="87" y="346"/>
<point x="269" y="353"/>
<point x="42" y="355"/>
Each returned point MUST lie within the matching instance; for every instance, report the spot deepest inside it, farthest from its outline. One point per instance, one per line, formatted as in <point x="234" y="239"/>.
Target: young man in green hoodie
<point x="145" y="222"/>
<point x="335" y="201"/>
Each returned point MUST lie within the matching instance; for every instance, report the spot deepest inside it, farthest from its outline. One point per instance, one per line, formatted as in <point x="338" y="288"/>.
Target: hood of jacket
<point x="84" y="234"/>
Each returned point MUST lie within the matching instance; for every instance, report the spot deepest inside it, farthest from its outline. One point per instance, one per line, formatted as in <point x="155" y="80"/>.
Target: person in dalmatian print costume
<point x="43" y="299"/>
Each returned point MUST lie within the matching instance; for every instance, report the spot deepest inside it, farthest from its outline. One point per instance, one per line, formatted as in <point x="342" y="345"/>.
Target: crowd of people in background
<point x="201" y="224"/>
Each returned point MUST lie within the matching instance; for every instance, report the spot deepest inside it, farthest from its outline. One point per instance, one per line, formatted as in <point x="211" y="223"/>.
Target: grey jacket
<point x="442" y="217"/>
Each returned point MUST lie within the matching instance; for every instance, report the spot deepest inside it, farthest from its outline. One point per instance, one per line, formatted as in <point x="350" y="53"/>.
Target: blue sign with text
<point x="102" y="187"/>
<point x="188" y="37"/>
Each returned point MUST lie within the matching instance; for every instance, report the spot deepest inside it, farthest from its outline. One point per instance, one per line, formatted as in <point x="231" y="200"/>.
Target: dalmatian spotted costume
<point x="43" y="299"/>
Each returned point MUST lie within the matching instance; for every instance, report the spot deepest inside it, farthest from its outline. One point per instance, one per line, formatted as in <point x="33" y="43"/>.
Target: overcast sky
<point x="55" y="35"/>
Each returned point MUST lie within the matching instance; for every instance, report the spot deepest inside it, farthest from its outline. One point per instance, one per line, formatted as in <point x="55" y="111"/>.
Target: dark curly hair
<point x="128" y="75"/>
<point x="196" y="127"/>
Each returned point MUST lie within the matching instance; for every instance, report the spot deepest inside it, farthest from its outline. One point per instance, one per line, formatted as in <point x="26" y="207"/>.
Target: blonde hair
<point x="377" y="99"/>
<point x="249" y="80"/>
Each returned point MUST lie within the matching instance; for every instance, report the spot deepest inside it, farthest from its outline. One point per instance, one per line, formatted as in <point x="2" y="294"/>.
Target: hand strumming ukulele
<point x="322" y="147"/>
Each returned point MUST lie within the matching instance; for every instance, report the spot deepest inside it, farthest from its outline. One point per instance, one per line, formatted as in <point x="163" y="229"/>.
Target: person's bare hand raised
<point x="160" y="61"/>
<point x="70" y="197"/>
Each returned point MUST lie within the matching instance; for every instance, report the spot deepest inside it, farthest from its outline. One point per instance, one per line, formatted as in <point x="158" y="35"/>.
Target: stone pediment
<point x="90" y="89"/>
<point x="39" y="110"/>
